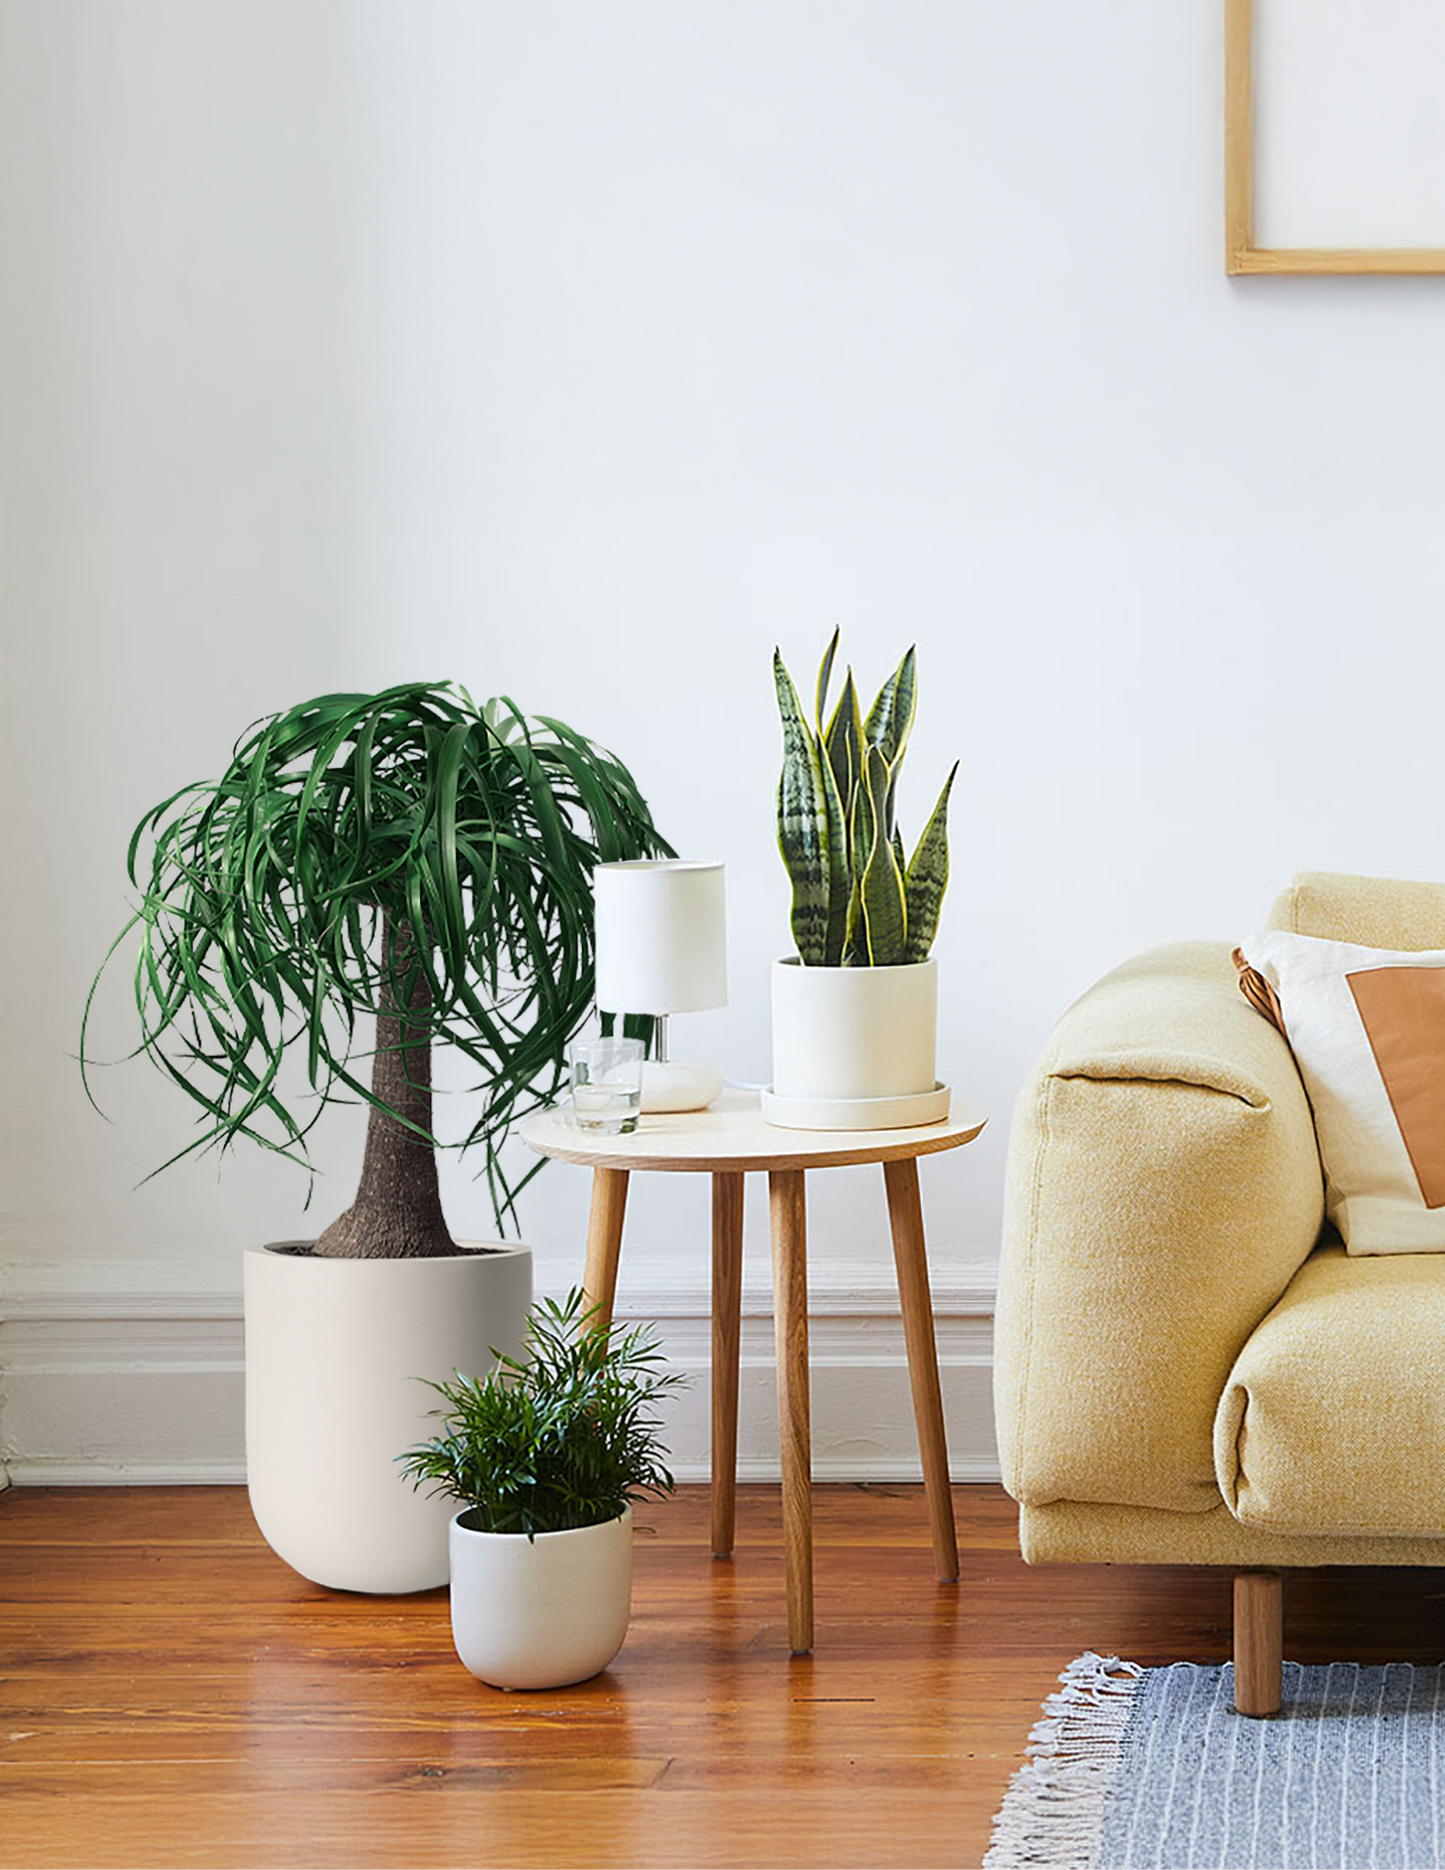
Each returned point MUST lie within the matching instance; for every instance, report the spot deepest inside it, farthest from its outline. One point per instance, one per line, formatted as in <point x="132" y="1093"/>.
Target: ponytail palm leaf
<point x="406" y="856"/>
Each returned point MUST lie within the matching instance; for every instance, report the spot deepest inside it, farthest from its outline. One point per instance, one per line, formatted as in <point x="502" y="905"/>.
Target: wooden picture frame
<point x="1240" y="253"/>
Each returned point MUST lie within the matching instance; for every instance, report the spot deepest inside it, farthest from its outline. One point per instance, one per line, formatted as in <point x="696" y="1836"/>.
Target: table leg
<point x="604" y="1241"/>
<point x="727" y="1298"/>
<point x="905" y="1213"/>
<point x="790" y="1323"/>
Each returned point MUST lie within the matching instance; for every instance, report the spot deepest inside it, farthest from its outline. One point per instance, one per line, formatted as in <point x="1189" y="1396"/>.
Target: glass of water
<point x="606" y="1084"/>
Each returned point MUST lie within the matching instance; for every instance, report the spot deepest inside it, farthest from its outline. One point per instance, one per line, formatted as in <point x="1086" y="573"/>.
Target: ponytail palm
<point x="405" y="856"/>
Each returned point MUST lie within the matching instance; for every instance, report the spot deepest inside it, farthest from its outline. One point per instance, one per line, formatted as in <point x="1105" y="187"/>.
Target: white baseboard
<point x="136" y="1381"/>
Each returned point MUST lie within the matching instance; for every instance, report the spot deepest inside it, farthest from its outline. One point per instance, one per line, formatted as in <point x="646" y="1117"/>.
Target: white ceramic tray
<point x="857" y="1113"/>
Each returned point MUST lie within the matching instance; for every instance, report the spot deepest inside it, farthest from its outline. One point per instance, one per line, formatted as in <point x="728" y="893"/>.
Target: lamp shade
<point x="661" y="937"/>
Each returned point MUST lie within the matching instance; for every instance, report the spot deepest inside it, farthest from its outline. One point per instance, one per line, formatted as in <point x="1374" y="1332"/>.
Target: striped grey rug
<point x="1136" y="1767"/>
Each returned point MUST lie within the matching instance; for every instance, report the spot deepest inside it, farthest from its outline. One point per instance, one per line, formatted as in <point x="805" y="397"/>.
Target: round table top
<point x="731" y="1136"/>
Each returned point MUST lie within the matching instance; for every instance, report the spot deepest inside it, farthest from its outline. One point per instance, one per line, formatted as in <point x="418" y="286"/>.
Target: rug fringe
<point x="1053" y="1811"/>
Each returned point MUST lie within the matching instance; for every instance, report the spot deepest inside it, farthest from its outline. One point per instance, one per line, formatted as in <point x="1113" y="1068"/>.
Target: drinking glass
<point x="606" y="1084"/>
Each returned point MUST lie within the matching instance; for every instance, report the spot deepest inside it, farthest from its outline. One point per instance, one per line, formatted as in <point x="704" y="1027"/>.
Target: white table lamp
<point x="661" y="949"/>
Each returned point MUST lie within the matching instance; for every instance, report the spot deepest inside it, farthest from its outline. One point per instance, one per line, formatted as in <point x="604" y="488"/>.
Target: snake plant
<point x="857" y="900"/>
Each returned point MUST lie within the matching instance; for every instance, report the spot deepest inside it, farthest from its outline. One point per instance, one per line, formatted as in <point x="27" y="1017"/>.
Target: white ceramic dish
<point x="857" y="1113"/>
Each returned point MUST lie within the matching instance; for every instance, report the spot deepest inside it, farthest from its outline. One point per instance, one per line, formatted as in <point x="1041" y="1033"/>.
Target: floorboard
<point x="172" y="1695"/>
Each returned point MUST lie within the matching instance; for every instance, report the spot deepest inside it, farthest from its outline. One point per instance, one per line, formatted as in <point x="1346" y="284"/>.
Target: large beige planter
<point x="338" y="1356"/>
<point x="541" y="1612"/>
<point x="854" y="1047"/>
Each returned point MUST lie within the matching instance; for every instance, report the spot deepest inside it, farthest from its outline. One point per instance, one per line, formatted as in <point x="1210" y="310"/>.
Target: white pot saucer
<point x="857" y="1113"/>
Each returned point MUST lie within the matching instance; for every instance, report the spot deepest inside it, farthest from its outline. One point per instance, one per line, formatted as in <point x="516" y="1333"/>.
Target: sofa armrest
<point x="1164" y="1186"/>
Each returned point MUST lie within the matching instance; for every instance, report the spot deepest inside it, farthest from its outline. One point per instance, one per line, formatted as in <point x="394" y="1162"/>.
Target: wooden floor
<point x="171" y="1694"/>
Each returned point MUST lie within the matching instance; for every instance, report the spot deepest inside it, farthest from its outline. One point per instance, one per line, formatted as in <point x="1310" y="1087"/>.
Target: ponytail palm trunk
<point x="407" y="859"/>
<point x="397" y="1213"/>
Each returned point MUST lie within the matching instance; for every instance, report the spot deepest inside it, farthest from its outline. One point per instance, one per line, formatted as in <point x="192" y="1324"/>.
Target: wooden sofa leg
<point x="1258" y="1641"/>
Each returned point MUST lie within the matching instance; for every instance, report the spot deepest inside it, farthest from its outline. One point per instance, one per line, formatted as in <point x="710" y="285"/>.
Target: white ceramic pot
<point x="543" y="1612"/>
<point x="338" y="1357"/>
<point x="851" y="1033"/>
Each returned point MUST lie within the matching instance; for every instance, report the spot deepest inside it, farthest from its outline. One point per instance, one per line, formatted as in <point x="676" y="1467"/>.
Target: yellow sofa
<point x="1185" y="1372"/>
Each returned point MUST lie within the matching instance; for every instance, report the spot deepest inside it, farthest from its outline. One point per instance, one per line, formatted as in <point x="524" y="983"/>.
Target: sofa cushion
<point x="1333" y="1418"/>
<point x="1373" y="912"/>
<point x="1367" y="1027"/>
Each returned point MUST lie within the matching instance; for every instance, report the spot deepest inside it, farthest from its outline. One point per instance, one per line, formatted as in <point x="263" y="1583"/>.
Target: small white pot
<point x="339" y="1354"/>
<point x="543" y="1612"/>
<point x="854" y="1032"/>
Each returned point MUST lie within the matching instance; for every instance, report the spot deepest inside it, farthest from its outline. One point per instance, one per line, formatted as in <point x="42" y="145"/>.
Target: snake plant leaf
<point x="927" y="877"/>
<point x="890" y="719"/>
<point x="861" y="829"/>
<point x="853" y="955"/>
<point x="843" y="743"/>
<point x="885" y="907"/>
<point x="836" y="793"/>
<point x="803" y="824"/>
<point x="840" y="871"/>
<point x="860" y="846"/>
<point x="825" y="676"/>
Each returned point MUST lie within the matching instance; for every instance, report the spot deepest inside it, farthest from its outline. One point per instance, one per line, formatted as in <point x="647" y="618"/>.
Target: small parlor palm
<point x="563" y="1438"/>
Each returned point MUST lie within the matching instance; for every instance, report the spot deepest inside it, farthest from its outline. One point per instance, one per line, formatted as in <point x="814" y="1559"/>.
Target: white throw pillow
<point x="1367" y="1028"/>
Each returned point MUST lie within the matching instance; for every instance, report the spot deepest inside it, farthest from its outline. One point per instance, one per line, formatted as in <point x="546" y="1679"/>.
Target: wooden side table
<point x="726" y="1142"/>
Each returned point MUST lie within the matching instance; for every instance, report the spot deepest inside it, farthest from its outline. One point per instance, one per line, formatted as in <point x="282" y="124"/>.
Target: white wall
<point x="584" y="350"/>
